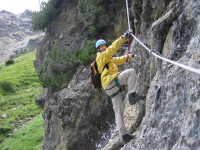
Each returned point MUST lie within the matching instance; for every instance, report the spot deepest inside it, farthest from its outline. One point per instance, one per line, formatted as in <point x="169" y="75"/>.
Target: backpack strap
<point x="96" y="66"/>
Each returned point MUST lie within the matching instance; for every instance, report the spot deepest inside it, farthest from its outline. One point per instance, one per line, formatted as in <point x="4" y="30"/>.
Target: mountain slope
<point x="15" y="33"/>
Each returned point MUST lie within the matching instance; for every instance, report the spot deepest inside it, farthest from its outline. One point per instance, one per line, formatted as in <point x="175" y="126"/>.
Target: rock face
<point x="15" y="33"/>
<point x="77" y="117"/>
<point x="171" y="120"/>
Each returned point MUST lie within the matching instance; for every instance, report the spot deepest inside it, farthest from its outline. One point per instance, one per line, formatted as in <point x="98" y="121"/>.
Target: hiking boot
<point x="127" y="137"/>
<point x="134" y="97"/>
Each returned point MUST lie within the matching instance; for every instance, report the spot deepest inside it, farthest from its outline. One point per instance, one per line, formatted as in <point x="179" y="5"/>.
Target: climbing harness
<point x="119" y="86"/>
<point x="159" y="56"/>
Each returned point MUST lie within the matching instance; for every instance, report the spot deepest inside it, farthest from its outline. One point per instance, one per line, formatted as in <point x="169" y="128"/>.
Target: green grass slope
<point x="19" y="87"/>
<point x="29" y="137"/>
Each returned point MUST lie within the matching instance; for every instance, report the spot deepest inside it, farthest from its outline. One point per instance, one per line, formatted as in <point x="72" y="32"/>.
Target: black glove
<point x="132" y="55"/>
<point x="128" y="32"/>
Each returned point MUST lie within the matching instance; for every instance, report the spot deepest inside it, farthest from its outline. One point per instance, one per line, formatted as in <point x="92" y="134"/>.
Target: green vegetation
<point x="91" y="9"/>
<point x="19" y="87"/>
<point x="59" y="67"/>
<point x="49" y="11"/>
<point x="9" y="62"/>
<point x="85" y="57"/>
<point x="29" y="137"/>
<point x="56" y="70"/>
<point x="98" y="14"/>
<point x="6" y="86"/>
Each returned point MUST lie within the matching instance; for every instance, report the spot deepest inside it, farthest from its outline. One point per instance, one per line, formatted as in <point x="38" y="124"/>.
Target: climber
<point x="113" y="81"/>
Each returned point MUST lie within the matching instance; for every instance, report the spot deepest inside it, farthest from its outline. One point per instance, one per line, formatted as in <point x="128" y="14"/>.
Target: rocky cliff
<point x="15" y="33"/>
<point x="78" y="117"/>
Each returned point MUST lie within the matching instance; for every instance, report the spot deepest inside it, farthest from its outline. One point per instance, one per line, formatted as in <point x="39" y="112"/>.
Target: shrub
<point x="59" y="67"/>
<point x="88" y="54"/>
<point x="6" y="86"/>
<point x="93" y="32"/>
<point x="91" y="9"/>
<point x="98" y="14"/>
<point x="9" y="62"/>
<point x="49" y="11"/>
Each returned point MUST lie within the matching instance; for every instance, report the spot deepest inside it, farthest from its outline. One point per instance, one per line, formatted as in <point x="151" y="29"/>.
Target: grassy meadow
<point x="21" y="122"/>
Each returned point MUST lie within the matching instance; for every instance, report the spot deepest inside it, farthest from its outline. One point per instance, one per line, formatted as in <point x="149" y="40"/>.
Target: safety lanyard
<point x="129" y="48"/>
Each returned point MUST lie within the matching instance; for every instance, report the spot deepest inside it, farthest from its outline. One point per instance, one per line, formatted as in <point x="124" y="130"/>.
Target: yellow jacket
<point x="107" y="57"/>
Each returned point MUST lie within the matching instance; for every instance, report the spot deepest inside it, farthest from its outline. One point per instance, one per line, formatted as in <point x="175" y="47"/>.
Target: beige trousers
<point x="129" y="78"/>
